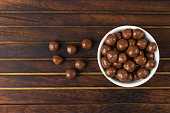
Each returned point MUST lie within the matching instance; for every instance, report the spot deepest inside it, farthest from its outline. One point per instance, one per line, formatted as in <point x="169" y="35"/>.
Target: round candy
<point x="142" y="73"/>
<point x="70" y="73"/>
<point x="122" y="44"/>
<point x="121" y="75"/>
<point x="105" y="63"/>
<point x="138" y="34"/>
<point x="118" y="35"/>
<point x="110" y="72"/>
<point x="53" y="46"/>
<point x="80" y="64"/>
<point x="135" y="77"/>
<point x="142" y="43"/>
<point x="105" y="49"/>
<point x="112" y="56"/>
<point x="127" y="33"/>
<point x="151" y="47"/>
<point x="87" y="44"/>
<point x="141" y="53"/>
<point x="71" y="49"/>
<point x="130" y="77"/>
<point x="133" y="51"/>
<point x="129" y="66"/>
<point x="150" y="64"/>
<point x="122" y="58"/>
<point x="117" y="65"/>
<point x="132" y="42"/>
<point x="140" y="60"/>
<point x="150" y="56"/>
<point x="57" y="59"/>
<point x="111" y="39"/>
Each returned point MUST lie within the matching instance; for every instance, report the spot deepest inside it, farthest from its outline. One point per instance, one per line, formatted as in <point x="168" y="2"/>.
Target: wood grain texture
<point x="114" y="5"/>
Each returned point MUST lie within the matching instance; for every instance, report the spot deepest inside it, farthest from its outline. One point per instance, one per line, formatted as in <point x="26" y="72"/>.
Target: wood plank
<point x="114" y="5"/>
<point x="88" y="108"/>
<point x="82" y="19"/>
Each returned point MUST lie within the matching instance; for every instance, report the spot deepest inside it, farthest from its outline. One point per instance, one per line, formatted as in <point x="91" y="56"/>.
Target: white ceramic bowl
<point x="133" y="83"/>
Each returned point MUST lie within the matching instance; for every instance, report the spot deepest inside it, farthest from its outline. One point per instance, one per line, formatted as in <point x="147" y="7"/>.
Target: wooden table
<point x="29" y="80"/>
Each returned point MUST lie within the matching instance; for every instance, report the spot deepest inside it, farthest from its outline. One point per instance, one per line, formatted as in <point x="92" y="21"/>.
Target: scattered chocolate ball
<point x="142" y="73"/>
<point x="70" y="73"/>
<point x="140" y="60"/>
<point x="132" y="42"/>
<point x="141" y="53"/>
<point x="111" y="39"/>
<point x="129" y="66"/>
<point x="71" y="49"/>
<point x="151" y="47"/>
<point x="87" y="44"/>
<point x="112" y="56"/>
<point x="150" y="64"/>
<point x="138" y="34"/>
<point x="135" y="76"/>
<point x="80" y="64"/>
<point x="117" y="65"/>
<point x="127" y="33"/>
<point x="130" y="77"/>
<point x="105" y="49"/>
<point x="133" y="51"/>
<point x="122" y="44"/>
<point x="142" y="43"/>
<point x="150" y="56"/>
<point x="122" y="75"/>
<point x="118" y="35"/>
<point x="57" y="59"/>
<point x="105" y="63"/>
<point x="53" y="46"/>
<point x="122" y="58"/>
<point x="110" y="72"/>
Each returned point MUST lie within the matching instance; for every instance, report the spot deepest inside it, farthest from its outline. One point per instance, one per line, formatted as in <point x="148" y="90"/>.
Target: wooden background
<point x="30" y="82"/>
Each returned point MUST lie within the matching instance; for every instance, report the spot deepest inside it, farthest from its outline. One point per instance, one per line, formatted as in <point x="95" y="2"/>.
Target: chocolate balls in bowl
<point x="136" y="52"/>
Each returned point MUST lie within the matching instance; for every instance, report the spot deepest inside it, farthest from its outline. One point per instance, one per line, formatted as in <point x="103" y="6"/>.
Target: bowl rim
<point x="136" y="82"/>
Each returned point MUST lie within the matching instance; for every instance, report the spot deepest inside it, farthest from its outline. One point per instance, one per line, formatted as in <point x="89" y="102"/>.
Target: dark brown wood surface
<point x="31" y="83"/>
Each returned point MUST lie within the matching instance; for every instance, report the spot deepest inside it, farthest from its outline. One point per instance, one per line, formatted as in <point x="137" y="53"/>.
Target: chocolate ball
<point x="150" y="56"/>
<point x="117" y="65"/>
<point x="110" y="72"/>
<point x="151" y="47"/>
<point x="57" y="59"/>
<point x="53" y="46"/>
<point x="142" y="43"/>
<point x="132" y="42"/>
<point x="118" y="35"/>
<point x="80" y="64"/>
<point x="112" y="56"/>
<point x="115" y="49"/>
<point x="71" y="49"/>
<point x="133" y="51"/>
<point x="129" y="66"/>
<point x="140" y="60"/>
<point x="138" y="34"/>
<point x="135" y="77"/>
<point x="70" y="73"/>
<point x="111" y="39"/>
<point x="141" y="53"/>
<point x="87" y="44"/>
<point x="127" y="33"/>
<point x="142" y="73"/>
<point x="105" y="63"/>
<point x="122" y="44"/>
<point x="121" y="75"/>
<point x="130" y="77"/>
<point x="105" y="49"/>
<point x="122" y="58"/>
<point x="150" y="64"/>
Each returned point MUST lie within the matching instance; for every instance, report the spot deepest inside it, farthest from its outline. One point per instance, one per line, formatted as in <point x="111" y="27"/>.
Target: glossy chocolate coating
<point x="142" y="73"/>
<point x="150" y="56"/>
<point x="105" y="63"/>
<point x="117" y="65"/>
<point x="110" y="72"/>
<point x="129" y="66"/>
<point x="112" y="56"/>
<point x="151" y="47"/>
<point x="140" y="60"/>
<point x="141" y="53"/>
<point x="135" y="76"/>
<point x="118" y="35"/>
<point x="87" y="44"/>
<point x="80" y="64"/>
<point x="138" y="34"/>
<point x="121" y="75"/>
<point x="71" y="49"/>
<point x="111" y="39"/>
<point x="142" y="43"/>
<point x="150" y="64"/>
<point x="70" y="73"/>
<point x="122" y="44"/>
<point x="130" y="77"/>
<point x="133" y="51"/>
<point x="122" y="58"/>
<point x="53" y="46"/>
<point x="127" y="33"/>
<point x="57" y="59"/>
<point x="105" y="49"/>
<point x="132" y="42"/>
